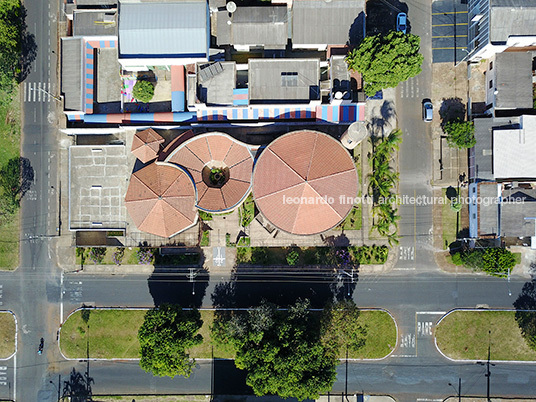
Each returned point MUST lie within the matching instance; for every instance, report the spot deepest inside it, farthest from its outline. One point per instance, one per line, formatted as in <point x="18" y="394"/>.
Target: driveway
<point x="449" y="30"/>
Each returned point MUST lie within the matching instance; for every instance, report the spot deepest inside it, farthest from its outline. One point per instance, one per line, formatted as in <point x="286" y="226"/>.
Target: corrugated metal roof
<point x="279" y="80"/>
<point x="71" y="73"/>
<point x="513" y="80"/>
<point x="265" y="26"/>
<point x="164" y="29"/>
<point x="321" y="22"/>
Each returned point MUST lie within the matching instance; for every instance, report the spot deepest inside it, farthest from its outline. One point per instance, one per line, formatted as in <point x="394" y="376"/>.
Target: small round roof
<point x="221" y="168"/>
<point x="146" y="145"/>
<point x="305" y="182"/>
<point x="160" y="199"/>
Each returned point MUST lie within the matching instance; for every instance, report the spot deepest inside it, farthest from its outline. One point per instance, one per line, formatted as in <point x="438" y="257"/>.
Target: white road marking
<point x="407" y="341"/>
<point x="432" y="312"/>
<point x="39" y="92"/>
<point x="61" y="298"/>
<point x="403" y="355"/>
<point x="407" y="253"/>
<point x="34" y="90"/>
<point x="424" y="328"/>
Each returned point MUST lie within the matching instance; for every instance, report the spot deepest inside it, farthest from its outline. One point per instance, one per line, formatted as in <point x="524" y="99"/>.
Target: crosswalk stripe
<point x="37" y="91"/>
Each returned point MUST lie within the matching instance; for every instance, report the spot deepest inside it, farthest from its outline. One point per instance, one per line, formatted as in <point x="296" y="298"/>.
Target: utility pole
<point x="459" y="390"/>
<point x="191" y="276"/>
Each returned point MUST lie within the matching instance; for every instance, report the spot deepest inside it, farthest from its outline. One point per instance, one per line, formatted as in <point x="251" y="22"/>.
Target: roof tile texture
<point x="146" y="145"/>
<point x="300" y="180"/>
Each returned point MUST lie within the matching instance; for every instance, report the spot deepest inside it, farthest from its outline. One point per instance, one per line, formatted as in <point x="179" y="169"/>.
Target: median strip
<point x="7" y="334"/>
<point x="112" y="334"/>
<point x="464" y="335"/>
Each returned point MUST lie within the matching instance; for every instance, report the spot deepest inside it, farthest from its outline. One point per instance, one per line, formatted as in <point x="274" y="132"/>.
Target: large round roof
<point x="160" y="199"/>
<point x="221" y="168"/>
<point x="305" y="182"/>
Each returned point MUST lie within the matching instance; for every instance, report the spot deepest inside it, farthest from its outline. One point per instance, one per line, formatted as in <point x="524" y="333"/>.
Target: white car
<point x="401" y="21"/>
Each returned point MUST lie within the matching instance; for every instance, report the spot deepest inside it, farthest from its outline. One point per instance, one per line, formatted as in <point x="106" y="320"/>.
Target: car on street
<point x="401" y="22"/>
<point x="427" y="110"/>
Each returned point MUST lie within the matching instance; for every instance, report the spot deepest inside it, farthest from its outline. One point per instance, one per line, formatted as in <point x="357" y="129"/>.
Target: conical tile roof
<point x="219" y="150"/>
<point x="305" y="182"/>
<point x="146" y="145"/>
<point x="161" y="199"/>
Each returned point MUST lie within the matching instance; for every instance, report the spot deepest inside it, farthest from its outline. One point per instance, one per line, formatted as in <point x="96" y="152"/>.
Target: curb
<point x="16" y="335"/>
<point x="479" y="360"/>
<point x="205" y="309"/>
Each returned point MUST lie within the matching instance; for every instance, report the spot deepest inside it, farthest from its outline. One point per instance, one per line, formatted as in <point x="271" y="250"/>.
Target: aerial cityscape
<point x="242" y="200"/>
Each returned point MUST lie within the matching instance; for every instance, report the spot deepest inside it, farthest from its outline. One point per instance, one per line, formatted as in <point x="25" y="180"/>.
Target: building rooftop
<point x="97" y="186"/>
<point x="109" y="81"/>
<point x="319" y="22"/>
<point x="216" y="84"/>
<point x="488" y="209"/>
<point x="146" y="145"/>
<point x="160" y="199"/>
<point x="264" y="26"/>
<point x="513" y="80"/>
<point x="514" y="212"/>
<point x="512" y="18"/>
<point x="71" y="72"/>
<point x="94" y="23"/>
<point x="513" y="151"/>
<point x="305" y="182"/>
<point x="163" y="29"/>
<point x="204" y="153"/>
<point x="284" y="80"/>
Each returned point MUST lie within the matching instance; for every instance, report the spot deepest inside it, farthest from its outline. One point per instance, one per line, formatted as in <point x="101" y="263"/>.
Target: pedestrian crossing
<point x="412" y="88"/>
<point x="37" y="92"/>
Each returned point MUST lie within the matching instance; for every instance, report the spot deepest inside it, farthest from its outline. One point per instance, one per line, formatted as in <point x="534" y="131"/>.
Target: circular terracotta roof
<point x="221" y="168"/>
<point x="305" y="182"/>
<point x="160" y="199"/>
<point x="146" y="145"/>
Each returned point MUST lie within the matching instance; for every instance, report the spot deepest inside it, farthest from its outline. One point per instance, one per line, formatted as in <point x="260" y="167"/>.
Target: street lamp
<point x="48" y="93"/>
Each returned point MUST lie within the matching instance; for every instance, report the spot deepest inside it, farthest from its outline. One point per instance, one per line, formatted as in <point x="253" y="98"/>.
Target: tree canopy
<point x="460" y="134"/>
<point x="527" y="319"/>
<point x="11" y="24"/>
<point x="341" y="327"/>
<point x="143" y="91"/>
<point x="281" y="351"/>
<point x="495" y="261"/>
<point x="386" y="60"/>
<point x="165" y="337"/>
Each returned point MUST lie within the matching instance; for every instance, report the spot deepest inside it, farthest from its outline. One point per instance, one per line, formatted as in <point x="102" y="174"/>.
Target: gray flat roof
<point x="483" y="150"/>
<point x="163" y="29"/>
<point x="321" y="22"/>
<point x="511" y="18"/>
<point x="488" y="212"/>
<point x="94" y="23"/>
<point x="265" y="26"/>
<point x="97" y="186"/>
<point x="71" y="73"/>
<point x="108" y="76"/>
<point x="513" y="80"/>
<point x="218" y="89"/>
<point x="513" y="212"/>
<point x="284" y="80"/>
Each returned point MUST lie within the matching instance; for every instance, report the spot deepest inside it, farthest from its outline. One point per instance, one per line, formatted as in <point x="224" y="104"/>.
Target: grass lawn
<point x="507" y="342"/>
<point x="10" y="140"/>
<point x="449" y="218"/>
<point x="7" y="335"/>
<point x="381" y="336"/>
<point x="128" y="259"/>
<point x="353" y="220"/>
<point x="247" y="211"/>
<point x="151" y="398"/>
<point x="205" y="239"/>
<point x="114" y="334"/>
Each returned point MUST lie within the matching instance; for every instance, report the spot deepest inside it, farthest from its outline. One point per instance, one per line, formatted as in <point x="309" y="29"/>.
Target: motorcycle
<point x="41" y="346"/>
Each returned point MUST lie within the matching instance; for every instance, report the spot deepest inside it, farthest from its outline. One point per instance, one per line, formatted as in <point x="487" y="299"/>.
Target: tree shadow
<point x="78" y="387"/>
<point x="28" y="49"/>
<point x="183" y="286"/>
<point x="387" y="110"/>
<point x="377" y="125"/>
<point x="527" y="319"/>
<point x="451" y="109"/>
<point x="381" y="16"/>
<point x="336" y="241"/>
<point x="357" y="30"/>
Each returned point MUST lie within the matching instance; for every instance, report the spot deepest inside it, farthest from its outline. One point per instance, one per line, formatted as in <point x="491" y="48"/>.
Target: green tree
<point x="386" y="60"/>
<point x="281" y="351"/>
<point x="11" y="23"/>
<point x="293" y="257"/>
<point x="143" y="91"/>
<point x="341" y="329"/>
<point x="496" y="261"/>
<point x="11" y="184"/>
<point x="527" y="319"/>
<point x="165" y="337"/>
<point x="460" y="134"/>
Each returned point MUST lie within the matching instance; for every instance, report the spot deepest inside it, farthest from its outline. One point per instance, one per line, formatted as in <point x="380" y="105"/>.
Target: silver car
<point x="427" y="110"/>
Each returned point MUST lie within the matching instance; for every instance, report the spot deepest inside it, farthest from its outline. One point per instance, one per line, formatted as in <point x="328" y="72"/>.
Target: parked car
<point x="401" y="22"/>
<point x="427" y="110"/>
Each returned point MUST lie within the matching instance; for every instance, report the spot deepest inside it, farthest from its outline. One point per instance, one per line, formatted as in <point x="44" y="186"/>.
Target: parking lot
<point x="449" y="31"/>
